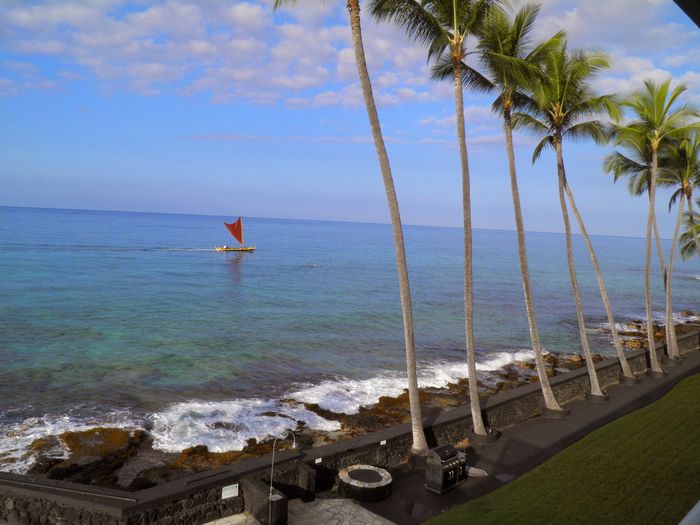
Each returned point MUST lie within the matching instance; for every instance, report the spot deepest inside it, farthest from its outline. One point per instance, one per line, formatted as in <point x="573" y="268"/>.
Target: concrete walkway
<point x="332" y="512"/>
<point x="318" y="512"/>
<point x="523" y="447"/>
<point x="236" y="519"/>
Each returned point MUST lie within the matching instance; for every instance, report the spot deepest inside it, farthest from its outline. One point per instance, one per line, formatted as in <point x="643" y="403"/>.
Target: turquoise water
<point x="132" y="318"/>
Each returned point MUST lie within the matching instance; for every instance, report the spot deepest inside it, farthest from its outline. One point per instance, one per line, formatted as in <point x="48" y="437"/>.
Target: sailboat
<point x="236" y="230"/>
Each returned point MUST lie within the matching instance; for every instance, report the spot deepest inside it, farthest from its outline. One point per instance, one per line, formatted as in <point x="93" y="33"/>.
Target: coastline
<point x="127" y="458"/>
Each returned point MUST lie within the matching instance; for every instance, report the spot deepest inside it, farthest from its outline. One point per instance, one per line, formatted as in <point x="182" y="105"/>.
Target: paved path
<point x="523" y="447"/>
<point x="318" y="512"/>
<point x="236" y="519"/>
<point x="332" y="512"/>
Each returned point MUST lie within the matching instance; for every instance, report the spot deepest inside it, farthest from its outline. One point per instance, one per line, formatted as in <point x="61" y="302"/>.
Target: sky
<point x="228" y="108"/>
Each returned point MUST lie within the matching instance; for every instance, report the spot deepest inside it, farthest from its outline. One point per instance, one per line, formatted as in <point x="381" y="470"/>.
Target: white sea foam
<point x="221" y="425"/>
<point x="348" y="395"/>
<point x="678" y="318"/>
<point x="657" y="316"/>
<point x="185" y="249"/>
<point x="15" y="440"/>
<point x="228" y="425"/>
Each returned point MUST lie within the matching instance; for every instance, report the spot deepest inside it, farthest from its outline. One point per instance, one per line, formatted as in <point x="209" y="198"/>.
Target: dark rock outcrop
<point x="94" y="457"/>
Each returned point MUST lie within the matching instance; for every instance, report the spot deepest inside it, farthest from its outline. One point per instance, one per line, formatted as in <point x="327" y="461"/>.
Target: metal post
<point x="272" y="473"/>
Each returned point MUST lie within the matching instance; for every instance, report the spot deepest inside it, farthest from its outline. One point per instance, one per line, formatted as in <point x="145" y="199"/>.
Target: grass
<point x="642" y="468"/>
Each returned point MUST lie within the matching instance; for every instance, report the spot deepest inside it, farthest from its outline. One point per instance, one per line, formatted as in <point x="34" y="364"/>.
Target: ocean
<point x="133" y="320"/>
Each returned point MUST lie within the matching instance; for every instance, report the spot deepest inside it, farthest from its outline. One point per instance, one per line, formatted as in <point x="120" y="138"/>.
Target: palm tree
<point x="681" y="171"/>
<point x="511" y="64"/>
<point x="444" y="25"/>
<point x="420" y="445"/>
<point x="657" y="120"/>
<point x="636" y="167"/>
<point x="690" y="238"/>
<point x="561" y="107"/>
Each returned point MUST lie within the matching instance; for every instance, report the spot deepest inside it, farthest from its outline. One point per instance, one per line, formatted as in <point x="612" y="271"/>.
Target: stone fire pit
<point x="364" y="483"/>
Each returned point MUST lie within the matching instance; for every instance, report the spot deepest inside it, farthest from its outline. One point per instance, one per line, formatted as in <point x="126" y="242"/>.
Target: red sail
<point x="236" y="229"/>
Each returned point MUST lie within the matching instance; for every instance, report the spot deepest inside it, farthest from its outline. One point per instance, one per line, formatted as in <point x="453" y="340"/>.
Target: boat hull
<point x="228" y="249"/>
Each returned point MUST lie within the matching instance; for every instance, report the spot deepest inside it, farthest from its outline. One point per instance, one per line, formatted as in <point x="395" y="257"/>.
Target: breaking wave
<point x="16" y="439"/>
<point x="346" y="396"/>
<point x="228" y="424"/>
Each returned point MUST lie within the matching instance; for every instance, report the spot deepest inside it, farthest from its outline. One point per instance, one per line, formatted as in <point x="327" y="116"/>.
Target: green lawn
<point x="642" y="468"/>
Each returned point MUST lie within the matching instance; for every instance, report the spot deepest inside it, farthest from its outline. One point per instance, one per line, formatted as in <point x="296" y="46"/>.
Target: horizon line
<point x="318" y="220"/>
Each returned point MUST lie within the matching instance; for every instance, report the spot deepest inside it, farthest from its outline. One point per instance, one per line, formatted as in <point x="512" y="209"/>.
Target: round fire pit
<point x="364" y="483"/>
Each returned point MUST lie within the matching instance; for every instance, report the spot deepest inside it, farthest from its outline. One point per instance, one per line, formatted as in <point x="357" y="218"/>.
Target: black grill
<point x="445" y="469"/>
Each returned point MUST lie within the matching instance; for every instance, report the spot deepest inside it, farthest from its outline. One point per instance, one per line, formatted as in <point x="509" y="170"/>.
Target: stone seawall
<point x="207" y="496"/>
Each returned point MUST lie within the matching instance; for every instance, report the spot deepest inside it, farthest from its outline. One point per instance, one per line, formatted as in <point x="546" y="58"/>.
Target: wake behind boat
<point x="236" y="230"/>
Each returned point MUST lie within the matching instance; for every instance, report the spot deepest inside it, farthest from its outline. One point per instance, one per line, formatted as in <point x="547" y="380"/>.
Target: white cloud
<point x="247" y="17"/>
<point x="476" y="118"/>
<point x="675" y="60"/>
<point x="346" y="67"/>
<point x="638" y="35"/>
<point x="629" y="25"/>
<point x="479" y="144"/>
<point x="628" y="73"/>
<point x="301" y="56"/>
<point x="23" y="68"/>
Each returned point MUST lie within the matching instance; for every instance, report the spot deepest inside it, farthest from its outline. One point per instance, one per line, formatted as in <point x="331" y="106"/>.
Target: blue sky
<point x="217" y="107"/>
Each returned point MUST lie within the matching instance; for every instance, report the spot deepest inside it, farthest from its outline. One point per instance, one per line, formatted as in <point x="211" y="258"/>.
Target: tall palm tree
<point x="636" y="168"/>
<point x="658" y="119"/>
<point x="512" y="64"/>
<point x="681" y="171"/>
<point x="444" y="25"/>
<point x="420" y="445"/>
<point x="562" y="107"/>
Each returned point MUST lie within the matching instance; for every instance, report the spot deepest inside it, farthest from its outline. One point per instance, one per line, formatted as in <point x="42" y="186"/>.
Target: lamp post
<point x="272" y="473"/>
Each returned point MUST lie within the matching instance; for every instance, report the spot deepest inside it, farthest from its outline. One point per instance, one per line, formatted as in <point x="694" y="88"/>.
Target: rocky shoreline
<point x="126" y="459"/>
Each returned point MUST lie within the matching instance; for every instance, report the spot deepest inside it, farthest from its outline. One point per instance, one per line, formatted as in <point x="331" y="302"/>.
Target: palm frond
<point x="589" y="130"/>
<point x="444" y="69"/>
<point x="658" y="116"/>
<point x="419" y="23"/>
<point x="637" y="171"/>
<point x="525" y="121"/>
<point x="563" y="103"/>
<point x="690" y="236"/>
<point x="507" y="55"/>
<point x="544" y="143"/>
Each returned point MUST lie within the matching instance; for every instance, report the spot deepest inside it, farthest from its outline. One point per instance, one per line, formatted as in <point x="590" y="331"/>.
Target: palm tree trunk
<point x="657" y="238"/>
<point x="549" y="400"/>
<point x="653" y="358"/>
<point x="672" y="343"/>
<point x="669" y="327"/>
<point x="660" y="252"/>
<point x="477" y="419"/>
<point x="590" y="365"/>
<point x="626" y="370"/>
<point x="420" y="446"/>
<point x="691" y="218"/>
